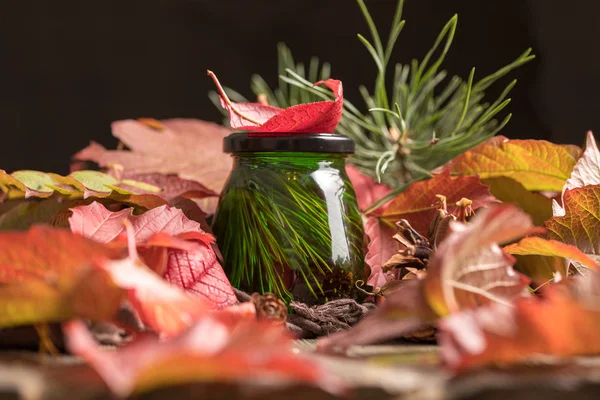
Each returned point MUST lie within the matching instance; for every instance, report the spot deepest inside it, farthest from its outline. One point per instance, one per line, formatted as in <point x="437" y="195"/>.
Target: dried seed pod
<point x="269" y="307"/>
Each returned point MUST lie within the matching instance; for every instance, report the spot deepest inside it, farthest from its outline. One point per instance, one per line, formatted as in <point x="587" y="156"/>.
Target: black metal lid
<point x="241" y="142"/>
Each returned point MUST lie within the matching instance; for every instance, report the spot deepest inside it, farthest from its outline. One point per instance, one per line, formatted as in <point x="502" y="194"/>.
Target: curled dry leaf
<point x="189" y="149"/>
<point x="170" y="243"/>
<point x="558" y="323"/>
<point x="536" y="164"/>
<point x="215" y="348"/>
<point x="467" y="270"/>
<point x="317" y="117"/>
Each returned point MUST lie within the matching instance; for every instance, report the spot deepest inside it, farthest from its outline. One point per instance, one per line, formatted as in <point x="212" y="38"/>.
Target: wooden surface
<point x="380" y="372"/>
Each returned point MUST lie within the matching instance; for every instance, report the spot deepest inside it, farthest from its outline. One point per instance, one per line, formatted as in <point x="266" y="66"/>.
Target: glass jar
<point x="287" y="220"/>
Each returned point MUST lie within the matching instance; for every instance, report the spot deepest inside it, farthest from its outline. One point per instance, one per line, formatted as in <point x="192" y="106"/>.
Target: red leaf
<point x="317" y="117"/>
<point x="381" y="248"/>
<point x="418" y="203"/>
<point x="217" y="348"/>
<point x="367" y="190"/>
<point x="165" y="308"/>
<point x="557" y="324"/>
<point x="189" y="149"/>
<point x="193" y="268"/>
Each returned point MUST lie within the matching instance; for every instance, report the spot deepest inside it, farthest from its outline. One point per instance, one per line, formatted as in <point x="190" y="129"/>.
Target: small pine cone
<point x="425" y="335"/>
<point x="269" y="307"/>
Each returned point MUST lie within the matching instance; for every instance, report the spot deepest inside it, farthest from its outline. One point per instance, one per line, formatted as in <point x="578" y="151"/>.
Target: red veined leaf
<point x="161" y="234"/>
<point x="419" y="204"/>
<point x="536" y="164"/>
<point x="317" y="117"/>
<point x="381" y="248"/>
<point x="469" y="268"/>
<point x="557" y="323"/>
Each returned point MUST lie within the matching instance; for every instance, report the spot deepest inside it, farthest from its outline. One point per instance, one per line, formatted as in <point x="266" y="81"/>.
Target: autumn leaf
<point x="578" y="225"/>
<point x="170" y="243"/>
<point x="317" y="117"/>
<point x="509" y="191"/>
<point x="585" y="173"/>
<point x="551" y="248"/>
<point x="83" y="184"/>
<point x="587" y="170"/>
<point x="47" y="275"/>
<point x="190" y="149"/>
<point x="381" y="248"/>
<point x="558" y="324"/>
<point x="214" y="348"/>
<point x="536" y="164"/>
<point x="419" y="204"/>
<point x="467" y="270"/>
<point x="367" y="190"/>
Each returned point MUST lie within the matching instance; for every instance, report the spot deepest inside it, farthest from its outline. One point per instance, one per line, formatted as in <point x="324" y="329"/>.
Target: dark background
<point x="69" y="68"/>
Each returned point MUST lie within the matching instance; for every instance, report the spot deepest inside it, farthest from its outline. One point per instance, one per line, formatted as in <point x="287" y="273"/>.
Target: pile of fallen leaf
<point x="497" y="252"/>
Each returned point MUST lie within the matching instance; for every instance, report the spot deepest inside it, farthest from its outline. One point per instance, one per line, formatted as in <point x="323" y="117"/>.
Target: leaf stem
<point x="227" y="101"/>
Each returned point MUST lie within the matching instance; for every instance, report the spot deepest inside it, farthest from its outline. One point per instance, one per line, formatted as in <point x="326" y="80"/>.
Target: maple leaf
<point x="189" y="149"/>
<point x="537" y="164"/>
<point x="367" y="190"/>
<point x="317" y="117"/>
<point x="170" y="243"/>
<point x="214" y="348"/>
<point x="419" y="204"/>
<point x="467" y="270"/>
<point x="46" y="275"/>
<point x="559" y="323"/>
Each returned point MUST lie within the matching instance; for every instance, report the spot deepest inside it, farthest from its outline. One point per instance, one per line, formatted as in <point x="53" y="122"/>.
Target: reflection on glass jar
<point x="288" y="221"/>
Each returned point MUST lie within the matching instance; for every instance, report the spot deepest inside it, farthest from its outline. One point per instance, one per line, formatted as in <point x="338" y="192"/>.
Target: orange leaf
<point x="556" y="324"/>
<point x="47" y="275"/>
<point x="579" y="225"/>
<point x="216" y="348"/>
<point x="537" y="164"/>
<point x="538" y="246"/>
<point x="418" y="204"/>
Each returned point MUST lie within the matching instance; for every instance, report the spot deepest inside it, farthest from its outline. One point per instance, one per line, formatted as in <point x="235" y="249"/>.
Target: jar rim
<point x="242" y="142"/>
